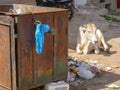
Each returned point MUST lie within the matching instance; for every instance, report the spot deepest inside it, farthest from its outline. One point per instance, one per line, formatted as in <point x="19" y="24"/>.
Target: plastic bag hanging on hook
<point x="39" y="36"/>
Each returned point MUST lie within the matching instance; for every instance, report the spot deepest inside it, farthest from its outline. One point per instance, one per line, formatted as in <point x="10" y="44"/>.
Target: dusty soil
<point x="111" y="33"/>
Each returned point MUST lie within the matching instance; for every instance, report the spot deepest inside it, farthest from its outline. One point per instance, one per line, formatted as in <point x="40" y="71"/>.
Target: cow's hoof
<point x="97" y="52"/>
<point x="107" y="50"/>
<point x="85" y="52"/>
<point x="79" y="51"/>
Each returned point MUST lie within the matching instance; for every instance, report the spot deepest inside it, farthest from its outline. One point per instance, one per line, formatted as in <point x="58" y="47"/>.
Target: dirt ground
<point x="111" y="31"/>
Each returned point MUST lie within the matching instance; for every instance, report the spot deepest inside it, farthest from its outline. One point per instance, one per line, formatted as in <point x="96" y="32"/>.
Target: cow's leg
<point x="79" y="48"/>
<point x="97" y="51"/>
<point x="80" y="40"/>
<point x="101" y="38"/>
<point x="86" y="47"/>
<point x="105" y="46"/>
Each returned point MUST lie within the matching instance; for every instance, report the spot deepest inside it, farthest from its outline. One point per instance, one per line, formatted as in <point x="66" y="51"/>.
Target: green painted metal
<point x="53" y="32"/>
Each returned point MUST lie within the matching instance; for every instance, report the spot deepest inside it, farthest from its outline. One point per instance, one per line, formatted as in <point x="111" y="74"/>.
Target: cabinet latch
<point x="16" y="35"/>
<point x="53" y="32"/>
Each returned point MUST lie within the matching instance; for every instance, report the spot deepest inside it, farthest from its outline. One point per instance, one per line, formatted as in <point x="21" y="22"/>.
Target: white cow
<point x="90" y="38"/>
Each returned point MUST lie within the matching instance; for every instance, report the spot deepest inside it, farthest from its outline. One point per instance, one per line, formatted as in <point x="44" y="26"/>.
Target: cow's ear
<point x="83" y="29"/>
<point x="84" y="25"/>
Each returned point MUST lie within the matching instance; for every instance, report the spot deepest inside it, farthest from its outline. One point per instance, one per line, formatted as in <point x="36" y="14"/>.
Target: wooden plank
<point x="44" y="62"/>
<point x="26" y="9"/>
<point x="61" y="24"/>
<point x="25" y="44"/>
<point x="5" y="63"/>
<point x="13" y="55"/>
<point x="4" y="88"/>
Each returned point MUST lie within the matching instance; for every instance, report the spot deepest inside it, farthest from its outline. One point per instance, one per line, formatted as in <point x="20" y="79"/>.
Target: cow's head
<point x="90" y="32"/>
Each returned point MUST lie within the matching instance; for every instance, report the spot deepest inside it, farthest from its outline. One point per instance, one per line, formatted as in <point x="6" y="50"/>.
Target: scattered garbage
<point x="108" y="68"/>
<point x="71" y="77"/>
<point x="60" y="85"/>
<point x="95" y="64"/>
<point x="93" y="61"/>
<point x="84" y="72"/>
<point x="11" y="10"/>
<point x="15" y="11"/>
<point x="113" y="86"/>
<point x="18" y="11"/>
<point x="81" y="69"/>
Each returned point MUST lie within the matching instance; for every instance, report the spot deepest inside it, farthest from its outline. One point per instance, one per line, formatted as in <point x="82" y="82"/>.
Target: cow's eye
<point x="89" y="31"/>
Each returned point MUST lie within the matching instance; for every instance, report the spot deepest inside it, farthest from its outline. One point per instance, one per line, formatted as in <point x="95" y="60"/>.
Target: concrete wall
<point x="113" y="4"/>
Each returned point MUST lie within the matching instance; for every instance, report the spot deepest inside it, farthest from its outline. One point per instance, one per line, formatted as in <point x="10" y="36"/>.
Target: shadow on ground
<point x="100" y="83"/>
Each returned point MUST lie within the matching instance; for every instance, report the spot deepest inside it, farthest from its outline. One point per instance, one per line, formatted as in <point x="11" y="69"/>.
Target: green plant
<point x="110" y="18"/>
<point x="115" y="14"/>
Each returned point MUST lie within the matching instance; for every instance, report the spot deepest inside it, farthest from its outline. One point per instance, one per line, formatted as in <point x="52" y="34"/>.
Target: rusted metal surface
<point x="26" y="68"/>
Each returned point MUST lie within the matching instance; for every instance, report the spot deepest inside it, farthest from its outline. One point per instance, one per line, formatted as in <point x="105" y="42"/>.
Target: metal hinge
<point x="16" y="35"/>
<point x="53" y="32"/>
<point x="16" y="19"/>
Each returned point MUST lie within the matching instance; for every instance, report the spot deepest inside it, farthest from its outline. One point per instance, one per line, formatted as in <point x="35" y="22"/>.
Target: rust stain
<point x="41" y="72"/>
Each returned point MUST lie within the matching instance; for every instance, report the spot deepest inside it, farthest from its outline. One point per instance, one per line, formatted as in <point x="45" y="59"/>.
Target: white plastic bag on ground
<point x="84" y="71"/>
<point x="71" y="77"/>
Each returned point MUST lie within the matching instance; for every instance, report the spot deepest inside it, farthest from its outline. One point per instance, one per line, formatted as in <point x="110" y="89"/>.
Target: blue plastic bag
<point x="39" y="36"/>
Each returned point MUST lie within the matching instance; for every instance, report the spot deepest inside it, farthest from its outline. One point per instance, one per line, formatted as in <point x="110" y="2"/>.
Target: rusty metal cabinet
<point x="21" y="68"/>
